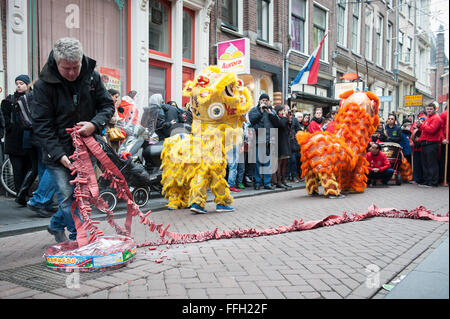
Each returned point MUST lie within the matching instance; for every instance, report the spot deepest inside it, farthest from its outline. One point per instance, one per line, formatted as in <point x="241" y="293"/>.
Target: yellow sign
<point x="413" y="100"/>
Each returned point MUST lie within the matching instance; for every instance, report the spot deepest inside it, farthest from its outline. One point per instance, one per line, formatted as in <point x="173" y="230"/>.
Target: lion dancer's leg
<point x="312" y="183"/>
<point x="358" y="182"/>
<point x="176" y="197"/>
<point x="330" y="184"/>
<point x="219" y="187"/>
<point x="198" y="190"/>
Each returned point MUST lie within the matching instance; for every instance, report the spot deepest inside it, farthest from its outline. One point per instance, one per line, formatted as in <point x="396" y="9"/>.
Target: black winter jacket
<point x="265" y="120"/>
<point x="14" y="133"/>
<point x="59" y="104"/>
<point x="167" y="114"/>
<point x="284" y="141"/>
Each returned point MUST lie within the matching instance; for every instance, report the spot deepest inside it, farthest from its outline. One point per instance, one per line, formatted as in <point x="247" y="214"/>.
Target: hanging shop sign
<point x="342" y="87"/>
<point x="414" y="100"/>
<point x="234" y="56"/>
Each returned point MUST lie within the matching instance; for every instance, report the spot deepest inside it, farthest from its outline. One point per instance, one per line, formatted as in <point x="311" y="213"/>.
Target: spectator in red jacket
<point x="317" y="121"/>
<point x="444" y="137"/>
<point x="430" y="139"/>
<point x="379" y="166"/>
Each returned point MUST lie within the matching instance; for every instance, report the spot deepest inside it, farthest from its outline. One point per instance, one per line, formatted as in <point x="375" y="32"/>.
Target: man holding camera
<point x="261" y="118"/>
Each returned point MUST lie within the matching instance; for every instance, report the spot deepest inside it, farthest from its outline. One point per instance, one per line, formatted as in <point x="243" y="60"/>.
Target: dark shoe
<point x="280" y="186"/>
<point x="269" y="187"/>
<point x="21" y="201"/>
<point x="60" y="235"/>
<point x="51" y="209"/>
<point x="286" y="185"/>
<point x="40" y="211"/>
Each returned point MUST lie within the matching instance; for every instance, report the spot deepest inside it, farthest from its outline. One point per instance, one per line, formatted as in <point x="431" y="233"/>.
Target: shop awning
<point x="313" y="99"/>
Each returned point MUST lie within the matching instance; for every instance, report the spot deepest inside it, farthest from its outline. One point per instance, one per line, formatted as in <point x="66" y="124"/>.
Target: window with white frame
<point x="298" y="23"/>
<point x="356" y="13"/>
<point x="230" y="14"/>
<point x="421" y="65"/>
<point x="389" y="47"/>
<point x="408" y="45"/>
<point x="368" y="33"/>
<point x="379" y="40"/>
<point x="319" y="29"/>
<point x="400" y="45"/>
<point x="263" y="11"/>
<point x="342" y="22"/>
<point x="159" y="27"/>
<point x="409" y="9"/>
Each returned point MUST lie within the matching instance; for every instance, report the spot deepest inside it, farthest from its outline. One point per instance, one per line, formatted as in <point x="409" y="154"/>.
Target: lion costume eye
<point x="229" y="90"/>
<point x="216" y="111"/>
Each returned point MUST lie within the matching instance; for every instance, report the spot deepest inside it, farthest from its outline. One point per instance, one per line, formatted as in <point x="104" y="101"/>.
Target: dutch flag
<point x="308" y="74"/>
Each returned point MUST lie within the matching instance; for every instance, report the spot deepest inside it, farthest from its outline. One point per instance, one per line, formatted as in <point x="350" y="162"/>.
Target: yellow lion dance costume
<point x="337" y="159"/>
<point x="194" y="163"/>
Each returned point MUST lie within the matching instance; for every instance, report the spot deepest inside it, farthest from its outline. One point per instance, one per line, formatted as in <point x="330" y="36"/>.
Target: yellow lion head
<point x="218" y="97"/>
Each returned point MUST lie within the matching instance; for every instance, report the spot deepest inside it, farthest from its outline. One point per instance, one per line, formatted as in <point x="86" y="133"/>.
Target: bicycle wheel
<point x="140" y="196"/>
<point x="110" y="200"/>
<point x="7" y="177"/>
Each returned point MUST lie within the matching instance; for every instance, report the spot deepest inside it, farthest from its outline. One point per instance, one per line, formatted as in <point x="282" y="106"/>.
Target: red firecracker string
<point x="86" y="194"/>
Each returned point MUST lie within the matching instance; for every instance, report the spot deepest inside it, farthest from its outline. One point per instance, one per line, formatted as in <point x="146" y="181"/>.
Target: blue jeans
<point x="43" y="196"/>
<point x="236" y="167"/>
<point x="263" y="169"/>
<point x="292" y="166"/>
<point x="63" y="217"/>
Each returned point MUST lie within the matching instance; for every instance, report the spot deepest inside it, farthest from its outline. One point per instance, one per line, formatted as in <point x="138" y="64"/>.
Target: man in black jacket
<point x="167" y="119"/>
<point x="69" y="92"/>
<point x="263" y="117"/>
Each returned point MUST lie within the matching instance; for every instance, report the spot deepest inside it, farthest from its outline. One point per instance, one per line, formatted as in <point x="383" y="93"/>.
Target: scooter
<point x="142" y="148"/>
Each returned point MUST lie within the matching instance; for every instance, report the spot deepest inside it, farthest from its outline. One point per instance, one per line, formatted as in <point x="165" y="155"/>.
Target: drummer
<point x="392" y="132"/>
<point x="379" y="166"/>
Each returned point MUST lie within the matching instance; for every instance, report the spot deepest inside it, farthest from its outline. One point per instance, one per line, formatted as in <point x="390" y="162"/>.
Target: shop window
<point x="159" y="79"/>
<point x="188" y="75"/>
<point x="101" y="29"/>
<point x="188" y="35"/>
<point x="159" y="27"/>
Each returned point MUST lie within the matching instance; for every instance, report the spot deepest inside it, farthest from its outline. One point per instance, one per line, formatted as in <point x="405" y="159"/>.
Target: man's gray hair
<point x="69" y="49"/>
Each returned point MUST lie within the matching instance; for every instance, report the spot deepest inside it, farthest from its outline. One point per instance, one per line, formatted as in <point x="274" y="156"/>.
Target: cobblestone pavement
<point x="327" y="262"/>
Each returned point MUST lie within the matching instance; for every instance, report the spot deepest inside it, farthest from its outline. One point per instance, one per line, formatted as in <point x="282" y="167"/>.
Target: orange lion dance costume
<point x="337" y="160"/>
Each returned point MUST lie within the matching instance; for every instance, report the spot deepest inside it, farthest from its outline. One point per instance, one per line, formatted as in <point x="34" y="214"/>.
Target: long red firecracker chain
<point x="86" y="193"/>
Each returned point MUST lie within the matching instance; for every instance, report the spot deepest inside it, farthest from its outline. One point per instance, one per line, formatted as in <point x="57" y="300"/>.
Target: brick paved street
<point x="327" y="262"/>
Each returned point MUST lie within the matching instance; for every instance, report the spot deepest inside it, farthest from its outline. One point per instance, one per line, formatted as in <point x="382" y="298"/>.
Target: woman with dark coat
<point x="18" y="141"/>
<point x="284" y="145"/>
